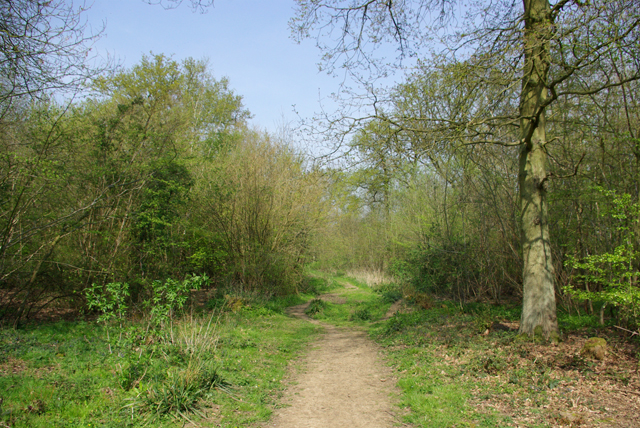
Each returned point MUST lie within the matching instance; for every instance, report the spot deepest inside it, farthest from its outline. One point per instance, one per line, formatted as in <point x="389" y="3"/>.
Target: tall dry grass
<point x="370" y="277"/>
<point x="196" y="335"/>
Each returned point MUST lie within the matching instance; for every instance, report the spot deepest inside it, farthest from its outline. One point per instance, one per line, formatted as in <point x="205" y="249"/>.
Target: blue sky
<point x="245" y="40"/>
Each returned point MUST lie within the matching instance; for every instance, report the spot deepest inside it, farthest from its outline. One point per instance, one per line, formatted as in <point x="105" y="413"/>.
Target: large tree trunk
<point x="539" y="304"/>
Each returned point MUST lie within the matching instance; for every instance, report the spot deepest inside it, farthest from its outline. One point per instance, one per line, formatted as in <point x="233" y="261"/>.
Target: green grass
<point x="419" y="346"/>
<point x="361" y="307"/>
<point x="69" y="374"/>
<point x="230" y="372"/>
<point x="422" y="346"/>
<point x="317" y="283"/>
<point x="450" y="363"/>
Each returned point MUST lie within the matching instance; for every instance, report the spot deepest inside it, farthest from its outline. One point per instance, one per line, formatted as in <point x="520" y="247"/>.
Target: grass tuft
<point x="316" y="307"/>
<point x="216" y="368"/>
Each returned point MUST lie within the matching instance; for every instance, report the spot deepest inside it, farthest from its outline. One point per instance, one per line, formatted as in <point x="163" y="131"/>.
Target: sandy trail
<point x="343" y="384"/>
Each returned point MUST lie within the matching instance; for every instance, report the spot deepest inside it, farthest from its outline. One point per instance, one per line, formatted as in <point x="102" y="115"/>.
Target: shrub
<point x="170" y="296"/>
<point x="613" y="275"/>
<point x="315" y="307"/>
<point x="361" y="314"/>
<point x="110" y="300"/>
<point x="390" y="293"/>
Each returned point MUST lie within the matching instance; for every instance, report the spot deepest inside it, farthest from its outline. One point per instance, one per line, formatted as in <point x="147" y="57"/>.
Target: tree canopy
<point x="503" y="66"/>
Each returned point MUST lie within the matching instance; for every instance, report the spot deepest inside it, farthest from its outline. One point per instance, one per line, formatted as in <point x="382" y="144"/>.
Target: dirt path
<point x="343" y="383"/>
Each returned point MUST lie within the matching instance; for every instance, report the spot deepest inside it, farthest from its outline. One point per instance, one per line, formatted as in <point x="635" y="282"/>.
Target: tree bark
<point x="539" y="303"/>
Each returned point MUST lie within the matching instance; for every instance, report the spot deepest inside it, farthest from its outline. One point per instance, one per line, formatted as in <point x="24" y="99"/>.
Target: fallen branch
<point x="628" y="331"/>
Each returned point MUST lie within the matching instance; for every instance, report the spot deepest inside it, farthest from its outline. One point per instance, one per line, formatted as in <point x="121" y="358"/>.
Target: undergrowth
<point x="223" y="366"/>
<point x="466" y="366"/>
<point x="456" y="365"/>
<point x="354" y="305"/>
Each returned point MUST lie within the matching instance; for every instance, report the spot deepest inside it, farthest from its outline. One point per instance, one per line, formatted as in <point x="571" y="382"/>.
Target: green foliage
<point x="163" y="196"/>
<point x="573" y="321"/>
<point x="317" y="283"/>
<point x="402" y="270"/>
<point x="316" y="307"/>
<point x="154" y="176"/>
<point x="444" y="271"/>
<point x="390" y="293"/>
<point x="102" y="186"/>
<point x="263" y="203"/>
<point x="166" y="298"/>
<point x="170" y="295"/>
<point x="612" y="277"/>
<point x="110" y="300"/>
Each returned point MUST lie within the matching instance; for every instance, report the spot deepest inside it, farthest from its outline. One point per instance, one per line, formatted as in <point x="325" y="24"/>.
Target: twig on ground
<point x="185" y="416"/>
<point x="628" y="331"/>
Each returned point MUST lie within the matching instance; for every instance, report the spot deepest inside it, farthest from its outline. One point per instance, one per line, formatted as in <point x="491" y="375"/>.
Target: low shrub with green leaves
<point x="612" y="277"/>
<point x="390" y="292"/>
<point x="170" y="295"/>
<point x="166" y="298"/>
<point x="316" y="306"/>
<point x="110" y="300"/>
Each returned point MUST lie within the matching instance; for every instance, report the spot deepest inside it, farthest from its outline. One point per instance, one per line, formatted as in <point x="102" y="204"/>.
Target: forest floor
<point x="452" y="366"/>
<point x="342" y="381"/>
<point x="344" y="354"/>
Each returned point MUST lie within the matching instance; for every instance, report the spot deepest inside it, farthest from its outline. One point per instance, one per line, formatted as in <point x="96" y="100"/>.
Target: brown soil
<point x="343" y="383"/>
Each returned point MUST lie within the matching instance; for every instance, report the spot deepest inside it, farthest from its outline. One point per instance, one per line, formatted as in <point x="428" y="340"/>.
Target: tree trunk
<point x="539" y="303"/>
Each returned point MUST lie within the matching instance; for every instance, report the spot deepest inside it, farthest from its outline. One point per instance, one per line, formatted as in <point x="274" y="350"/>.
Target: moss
<point x="539" y="336"/>
<point x="595" y="347"/>
<point x="538" y="333"/>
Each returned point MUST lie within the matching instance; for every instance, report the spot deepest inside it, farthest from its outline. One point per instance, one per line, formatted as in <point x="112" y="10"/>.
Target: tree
<point x="163" y="121"/>
<point x="97" y="191"/>
<point x="44" y="46"/>
<point x="258" y="204"/>
<point x="551" y="50"/>
<point x="196" y="5"/>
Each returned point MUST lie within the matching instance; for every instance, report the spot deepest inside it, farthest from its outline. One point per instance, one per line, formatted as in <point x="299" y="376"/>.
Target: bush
<point x="170" y="295"/>
<point x="612" y="275"/>
<point x="182" y="389"/>
<point x="110" y="300"/>
<point x="167" y="297"/>
<point x="390" y="293"/>
<point x="315" y="307"/>
<point x="316" y="285"/>
<point x="444" y="270"/>
<point x="361" y="314"/>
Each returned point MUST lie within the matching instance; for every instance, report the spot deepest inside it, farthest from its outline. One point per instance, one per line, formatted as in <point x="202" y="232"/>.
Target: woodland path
<point x="343" y="382"/>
